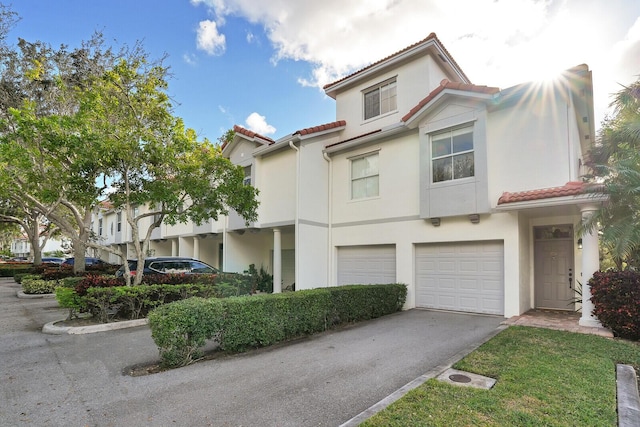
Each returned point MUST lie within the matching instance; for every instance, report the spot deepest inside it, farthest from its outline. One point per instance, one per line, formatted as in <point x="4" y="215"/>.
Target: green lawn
<point x="544" y="378"/>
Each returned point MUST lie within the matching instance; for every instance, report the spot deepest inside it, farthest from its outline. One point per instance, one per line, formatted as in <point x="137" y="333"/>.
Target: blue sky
<point x="261" y="64"/>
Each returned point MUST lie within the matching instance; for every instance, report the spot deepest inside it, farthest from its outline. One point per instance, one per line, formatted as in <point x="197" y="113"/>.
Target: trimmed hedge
<point x="35" y="285"/>
<point x="616" y="299"/>
<point x="243" y="323"/>
<point x="10" y="270"/>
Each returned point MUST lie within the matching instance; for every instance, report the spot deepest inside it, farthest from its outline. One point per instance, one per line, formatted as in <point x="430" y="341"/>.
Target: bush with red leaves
<point x="616" y="299"/>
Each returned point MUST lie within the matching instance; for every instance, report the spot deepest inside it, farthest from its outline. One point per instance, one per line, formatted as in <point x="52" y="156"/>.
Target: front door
<point x="554" y="270"/>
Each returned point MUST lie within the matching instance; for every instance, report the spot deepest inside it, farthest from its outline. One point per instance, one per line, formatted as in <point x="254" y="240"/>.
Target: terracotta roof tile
<point x="320" y="128"/>
<point x="251" y="134"/>
<point x="572" y="188"/>
<point x="431" y="36"/>
<point x="446" y="84"/>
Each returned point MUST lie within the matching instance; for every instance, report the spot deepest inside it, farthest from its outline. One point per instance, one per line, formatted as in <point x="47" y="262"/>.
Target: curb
<point x="52" y="329"/>
<point x="21" y="294"/>
<point x="628" y="398"/>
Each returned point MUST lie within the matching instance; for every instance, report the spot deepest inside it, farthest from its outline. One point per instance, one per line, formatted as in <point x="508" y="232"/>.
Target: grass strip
<point x="544" y="378"/>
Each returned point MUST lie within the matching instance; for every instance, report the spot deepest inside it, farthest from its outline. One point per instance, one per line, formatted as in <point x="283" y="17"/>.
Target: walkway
<point x="554" y="319"/>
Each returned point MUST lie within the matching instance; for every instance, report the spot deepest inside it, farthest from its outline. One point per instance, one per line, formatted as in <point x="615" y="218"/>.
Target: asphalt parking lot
<point x="325" y="380"/>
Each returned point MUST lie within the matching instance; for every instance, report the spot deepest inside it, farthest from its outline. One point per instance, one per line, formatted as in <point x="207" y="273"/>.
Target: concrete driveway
<point x="78" y="380"/>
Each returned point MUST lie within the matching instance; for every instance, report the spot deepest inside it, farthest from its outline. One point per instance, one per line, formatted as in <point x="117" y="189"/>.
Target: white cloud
<point x="209" y="39"/>
<point x="250" y="37"/>
<point x="498" y="43"/>
<point x="189" y="58"/>
<point x="257" y="123"/>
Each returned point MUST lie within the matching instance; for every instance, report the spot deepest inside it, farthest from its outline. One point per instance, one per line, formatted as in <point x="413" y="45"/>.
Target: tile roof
<point x="446" y="84"/>
<point x="106" y="204"/>
<point x="431" y="36"/>
<point x="251" y="134"/>
<point x="572" y="188"/>
<point x="320" y="128"/>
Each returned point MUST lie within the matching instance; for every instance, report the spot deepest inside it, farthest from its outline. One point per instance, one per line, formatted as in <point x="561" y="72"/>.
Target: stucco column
<point x="277" y="261"/>
<point x="174" y="247"/>
<point x="196" y="247"/>
<point x="590" y="264"/>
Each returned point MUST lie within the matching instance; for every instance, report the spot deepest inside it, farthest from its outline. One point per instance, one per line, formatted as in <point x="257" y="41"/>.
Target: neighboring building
<point x="468" y="194"/>
<point x="21" y="247"/>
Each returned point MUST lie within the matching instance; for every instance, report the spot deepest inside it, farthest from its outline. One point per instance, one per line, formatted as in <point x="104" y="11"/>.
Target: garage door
<point x="461" y="276"/>
<point x="366" y="264"/>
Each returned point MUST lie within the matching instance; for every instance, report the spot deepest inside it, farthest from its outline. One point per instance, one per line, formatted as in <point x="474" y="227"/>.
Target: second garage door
<point x="366" y="264"/>
<point x="461" y="276"/>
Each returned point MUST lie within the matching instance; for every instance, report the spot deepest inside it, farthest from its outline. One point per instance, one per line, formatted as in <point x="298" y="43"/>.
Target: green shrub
<point x="10" y="270"/>
<point x="38" y="286"/>
<point x="261" y="320"/>
<point x="70" y="282"/>
<point x="19" y="277"/>
<point x="616" y="299"/>
<point x="134" y="302"/>
<point x="354" y="303"/>
<point x="182" y="328"/>
<point x="68" y="298"/>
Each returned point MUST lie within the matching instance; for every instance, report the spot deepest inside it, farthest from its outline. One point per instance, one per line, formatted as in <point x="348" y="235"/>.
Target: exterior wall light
<point x="474" y="218"/>
<point x="435" y="222"/>
<point x="580" y="243"/>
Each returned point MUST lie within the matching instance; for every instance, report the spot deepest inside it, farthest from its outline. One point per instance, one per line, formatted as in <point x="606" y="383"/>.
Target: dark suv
<point x="169" y="265"/>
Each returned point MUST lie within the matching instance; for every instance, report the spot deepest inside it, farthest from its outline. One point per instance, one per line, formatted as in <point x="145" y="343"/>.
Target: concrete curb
<point x="628" y="399"/>
<point x="371" y="411"/>
<point x="21" y="294"/>
<point x="52" y="329"/>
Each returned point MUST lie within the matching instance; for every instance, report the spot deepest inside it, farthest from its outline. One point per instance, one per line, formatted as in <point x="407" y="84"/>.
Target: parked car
<point x="87" y="261"/>
<point x="169" y="265"/>
<point x="52" y="260"/>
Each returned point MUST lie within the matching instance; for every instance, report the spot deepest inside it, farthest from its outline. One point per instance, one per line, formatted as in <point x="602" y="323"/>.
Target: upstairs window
<point x="119" y="222"/>
<point x="100" y="227"/>
<point x="364" y="176"/>
<point x="380" y="99"/>
<point x="452" y="155"/>
<point x="247" y="176"/>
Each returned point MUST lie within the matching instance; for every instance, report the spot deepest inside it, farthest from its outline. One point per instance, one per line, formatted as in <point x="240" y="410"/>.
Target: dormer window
<point x="380" y="99"/>
<point x="247" y="176"/>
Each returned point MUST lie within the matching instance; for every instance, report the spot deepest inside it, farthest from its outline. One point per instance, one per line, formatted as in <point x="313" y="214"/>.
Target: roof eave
<point x="446" y="61"/>
<point x="384" y="133"/>
<point x="417" y="117"/>
<point x="553" y="201"/>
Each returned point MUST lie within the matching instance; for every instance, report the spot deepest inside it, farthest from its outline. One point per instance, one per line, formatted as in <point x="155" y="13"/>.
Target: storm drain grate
<point x="459" y="378"/>
<point x="466" y="379"/>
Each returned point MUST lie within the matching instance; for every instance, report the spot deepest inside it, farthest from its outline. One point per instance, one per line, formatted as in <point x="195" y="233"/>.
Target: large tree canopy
<point x="616" y="162"/>
<point x="89" y="123"/>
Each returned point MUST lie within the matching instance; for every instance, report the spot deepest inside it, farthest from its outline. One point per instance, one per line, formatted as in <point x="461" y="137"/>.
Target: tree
<point x="46" y="161"/>
<point x="615" y="161"/>
<point x="93" y="123"/>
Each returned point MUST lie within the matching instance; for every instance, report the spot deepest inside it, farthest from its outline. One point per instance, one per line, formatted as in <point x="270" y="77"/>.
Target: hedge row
<point x="616" y="299"/>
<point x="10" y="270"/>
<point x="181" y="329"/>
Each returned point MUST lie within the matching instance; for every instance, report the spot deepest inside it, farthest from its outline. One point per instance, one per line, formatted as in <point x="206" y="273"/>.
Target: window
<point x="119" y="222"/>
<point x="247" y="176"/>
<point x="100" y="227"/>
<point x="452" y="155"/>
<point x="380" y="99"/>
<point x="364" y="176"/>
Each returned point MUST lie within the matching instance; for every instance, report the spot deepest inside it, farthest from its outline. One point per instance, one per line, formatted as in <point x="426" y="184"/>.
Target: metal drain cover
<point x="459" y="378"/>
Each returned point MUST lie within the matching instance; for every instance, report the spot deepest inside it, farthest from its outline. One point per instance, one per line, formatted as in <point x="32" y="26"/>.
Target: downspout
<point x="329" y="222"/>
<point x="296" y="220"/>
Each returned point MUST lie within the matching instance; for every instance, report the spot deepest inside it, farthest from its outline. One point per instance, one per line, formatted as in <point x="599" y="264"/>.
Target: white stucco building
<point x="470" y="195"/>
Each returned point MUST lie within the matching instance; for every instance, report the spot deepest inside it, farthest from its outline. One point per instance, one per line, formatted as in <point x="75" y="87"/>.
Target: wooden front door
<point x="554" y="271"/>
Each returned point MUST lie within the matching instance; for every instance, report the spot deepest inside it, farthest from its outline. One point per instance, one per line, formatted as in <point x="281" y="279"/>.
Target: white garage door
<point x="461" y="276"/>
<point x="366" y="264"/>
